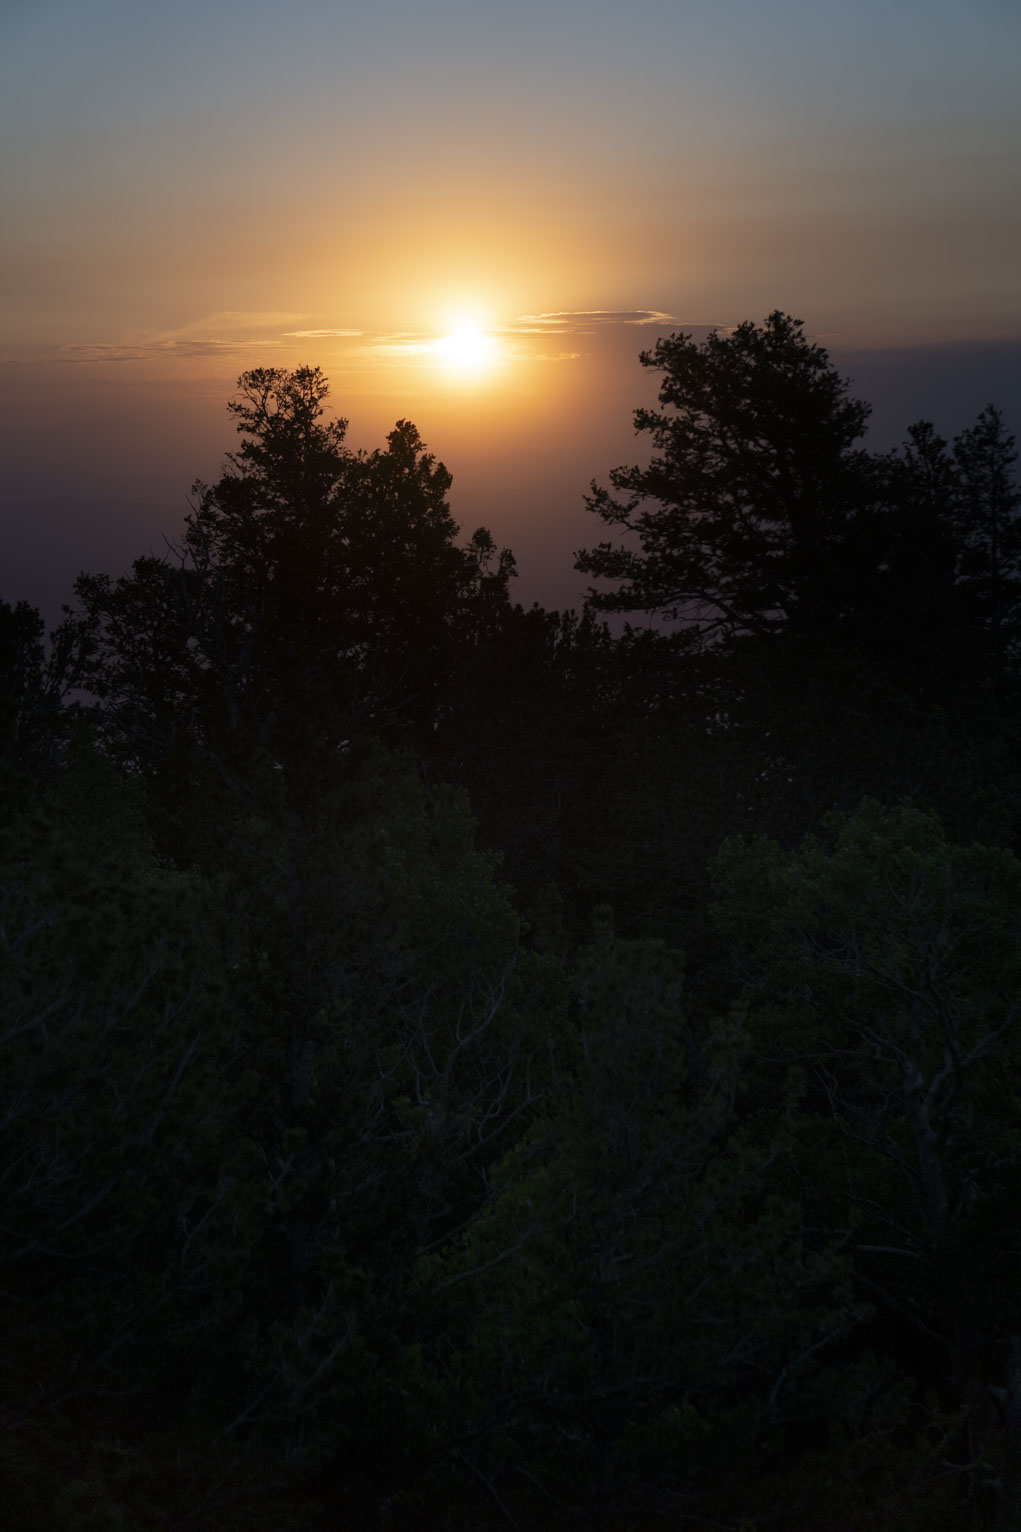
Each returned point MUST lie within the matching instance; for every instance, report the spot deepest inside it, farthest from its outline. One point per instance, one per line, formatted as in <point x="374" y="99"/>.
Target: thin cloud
<point x="398" y="347"/>
<point x="570" y="321"/>
<point x="321" y="334"/>
<point x="403" y="343"/>
<point x="223" y="321"/>
<point x="421" y="343"/>
<point x="101" y="353"/>
<point x="151" y="350"/>
<point x="224" y="333"/>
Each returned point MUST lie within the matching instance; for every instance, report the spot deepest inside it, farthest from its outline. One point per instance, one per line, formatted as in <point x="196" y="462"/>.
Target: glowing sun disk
<point x="467" y="349"/>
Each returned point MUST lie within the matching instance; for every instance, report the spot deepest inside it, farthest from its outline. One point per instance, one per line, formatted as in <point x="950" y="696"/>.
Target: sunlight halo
<point x="466" y="350"/>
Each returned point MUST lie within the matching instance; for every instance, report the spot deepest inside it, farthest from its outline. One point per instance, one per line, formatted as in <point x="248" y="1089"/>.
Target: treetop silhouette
<point x="743" y="516"/>
<point x="312" y="580"/>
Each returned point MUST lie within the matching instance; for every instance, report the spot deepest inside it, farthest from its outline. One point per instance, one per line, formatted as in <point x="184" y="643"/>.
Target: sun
<point x="466" y="350"/>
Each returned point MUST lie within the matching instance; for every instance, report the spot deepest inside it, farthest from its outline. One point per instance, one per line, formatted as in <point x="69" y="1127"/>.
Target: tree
<point x="942" y="605"/>
<point x="237" y="1107"/>
<point x="315" y="587"/>
<point x="745" y="513"/>
<point x="138" y="656"/>
<point x="989" y="534"/>
<point x="338" y="571"/>
<point x="881" y="969"/>
<point x="35" y="682"/>
<point x="909" y="618"/>
<point x="636" y="1311"/>
<point x="116" y="1051"/>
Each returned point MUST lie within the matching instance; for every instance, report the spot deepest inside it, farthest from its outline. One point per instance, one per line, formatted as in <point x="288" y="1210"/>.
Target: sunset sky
<point x="194" y="189"/>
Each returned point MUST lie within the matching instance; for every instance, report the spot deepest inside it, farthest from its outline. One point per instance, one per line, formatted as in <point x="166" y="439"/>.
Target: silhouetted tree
<point x="908" y="615"/>
<point x="22" y="668"/>
<point x="137" y="655"/>
<point x="314" y="586"/>
<point x="36" y="678"/>
<point x="941" y="545"/>
<point x="334" y="566"/>
<point x="743" y="517"/>
<point x="989" y="534"/>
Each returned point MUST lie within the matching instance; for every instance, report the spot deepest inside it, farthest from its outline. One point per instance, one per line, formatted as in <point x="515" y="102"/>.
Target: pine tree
<point x="744" y="515"/>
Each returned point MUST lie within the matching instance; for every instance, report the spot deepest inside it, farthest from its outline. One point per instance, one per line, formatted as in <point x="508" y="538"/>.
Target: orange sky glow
<point x="192" y="191"/>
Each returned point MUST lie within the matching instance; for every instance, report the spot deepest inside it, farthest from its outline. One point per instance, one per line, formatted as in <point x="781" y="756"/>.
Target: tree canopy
<point x="312" y="583"/>
<point x="744" y="517"/>
<point x="598" y="1110"/>
<point x="761" y="514"/>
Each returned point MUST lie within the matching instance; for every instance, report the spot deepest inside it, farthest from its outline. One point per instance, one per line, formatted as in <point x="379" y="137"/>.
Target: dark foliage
<point x="360" y="1165"/>
<point x="746" y="515"/>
